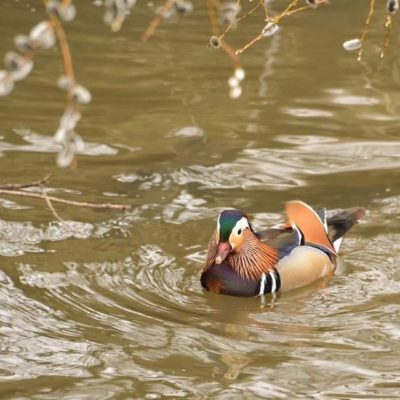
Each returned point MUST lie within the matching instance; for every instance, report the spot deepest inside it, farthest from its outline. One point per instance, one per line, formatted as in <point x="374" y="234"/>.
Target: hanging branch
<point x="64" y="47"/>
<point x="230" y="26"/>
<point x="366" y="26"/>
<point x="272" y="22"/>
<point x="18" y="65"/>
<point x="266" y="11"/>
<point x="211" y="7"/>
<point x="157" y="20"/>
<point x="292" y="4"/>
<point x="392" y="6"/>
<point x="76" y="94"/>
<point x="269" y="29"/>
<point x="170" y="7"/>
<point x="388" y="26"/>
<point x="249" y="44"/>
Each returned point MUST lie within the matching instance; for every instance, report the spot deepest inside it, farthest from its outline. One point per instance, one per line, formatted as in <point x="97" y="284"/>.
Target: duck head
<point x="235" y="245"/>
<point x="232" y="227"/>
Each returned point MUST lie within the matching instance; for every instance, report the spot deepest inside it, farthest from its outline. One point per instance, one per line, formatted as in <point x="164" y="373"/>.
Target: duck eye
<point x="239" y="232"/>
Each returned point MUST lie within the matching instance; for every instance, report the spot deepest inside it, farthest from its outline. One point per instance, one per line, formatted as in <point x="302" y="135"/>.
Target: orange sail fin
<point x="303" y="218"/>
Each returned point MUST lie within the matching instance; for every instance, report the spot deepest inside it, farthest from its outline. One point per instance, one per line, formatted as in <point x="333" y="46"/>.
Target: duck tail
<point x="341" y="222"/>
<point x="310" y="225"/>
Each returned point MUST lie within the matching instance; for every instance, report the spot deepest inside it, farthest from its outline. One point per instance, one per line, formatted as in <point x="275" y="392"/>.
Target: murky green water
<point x="113" y="309"/>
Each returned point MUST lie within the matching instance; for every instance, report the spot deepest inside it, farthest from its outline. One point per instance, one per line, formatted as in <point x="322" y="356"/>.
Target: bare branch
<point x="157" y="20"/>
<point x="64" y="47"/>
<point x="13" y="186"/>
<point x="366" y="26"/>
<point x="52" y="209"/>
<point x="64" y="201"/>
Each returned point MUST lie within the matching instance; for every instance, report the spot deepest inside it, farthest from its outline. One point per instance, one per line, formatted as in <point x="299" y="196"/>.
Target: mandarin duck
<point x="242" y="262"/>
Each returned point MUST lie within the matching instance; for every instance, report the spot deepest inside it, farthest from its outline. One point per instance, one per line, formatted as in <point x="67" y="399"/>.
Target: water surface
<point x="111" y="307"/>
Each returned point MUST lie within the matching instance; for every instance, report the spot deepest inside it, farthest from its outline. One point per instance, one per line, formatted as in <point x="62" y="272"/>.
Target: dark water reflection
<point x="109" y="306"/>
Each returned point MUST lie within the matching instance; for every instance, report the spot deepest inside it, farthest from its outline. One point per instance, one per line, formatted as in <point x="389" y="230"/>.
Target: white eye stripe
<point x="241" y="225"/>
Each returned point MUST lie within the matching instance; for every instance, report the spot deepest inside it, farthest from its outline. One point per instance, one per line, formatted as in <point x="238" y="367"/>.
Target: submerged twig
<point x="14" y="189"/>
<point x="52" y="209"/>
<point x="64" y="201"/>
<point x="13" y="186"/>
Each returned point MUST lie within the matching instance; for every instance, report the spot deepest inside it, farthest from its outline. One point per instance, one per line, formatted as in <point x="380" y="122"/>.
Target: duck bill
<point x="223" y="251"/>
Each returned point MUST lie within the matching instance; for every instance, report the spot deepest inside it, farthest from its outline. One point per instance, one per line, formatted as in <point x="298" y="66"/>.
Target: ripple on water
<point x="307" y="112"/>
<point x="185" y="207"/>
<point x="18" y="238"/>
<point x="242" y="173"/>
<point x="35" y="338"/>
<point x="273" y="168"/>
<point x="144" y="316"/>
<point x="330" y="157"/>
<point x="115" y="310"/>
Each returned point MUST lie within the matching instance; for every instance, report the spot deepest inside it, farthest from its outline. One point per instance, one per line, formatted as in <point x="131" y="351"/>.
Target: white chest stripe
<point x="262" y="284"/>
<point x="264" y="281"/>
<point x="273" y="282"/>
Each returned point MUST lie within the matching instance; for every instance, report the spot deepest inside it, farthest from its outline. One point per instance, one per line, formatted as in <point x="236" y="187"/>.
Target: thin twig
<point x="267" y="14"/>
<point x="55" y="213"/>
<point x="274" y="21"/>
<point x="212" y="17"/>
<point x="249" y="44"/>
<point x="64" y="47"/>
<point x="230" y="26"/>
<point x="52" y="209"/>
<point x="304" y="8"/>
<point x="13" y="186"/>
<point x="231" y="53"/>
<point x="214" y="28"/>
<point x="388" y="26"/>
<point x="366" y="26"/>
<point x="156" y="21"/>
<point x="297" y="10"/>
<point x="286" y="11"/>
<point x="64" y="201"/>
<point x="290" y="10"/>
